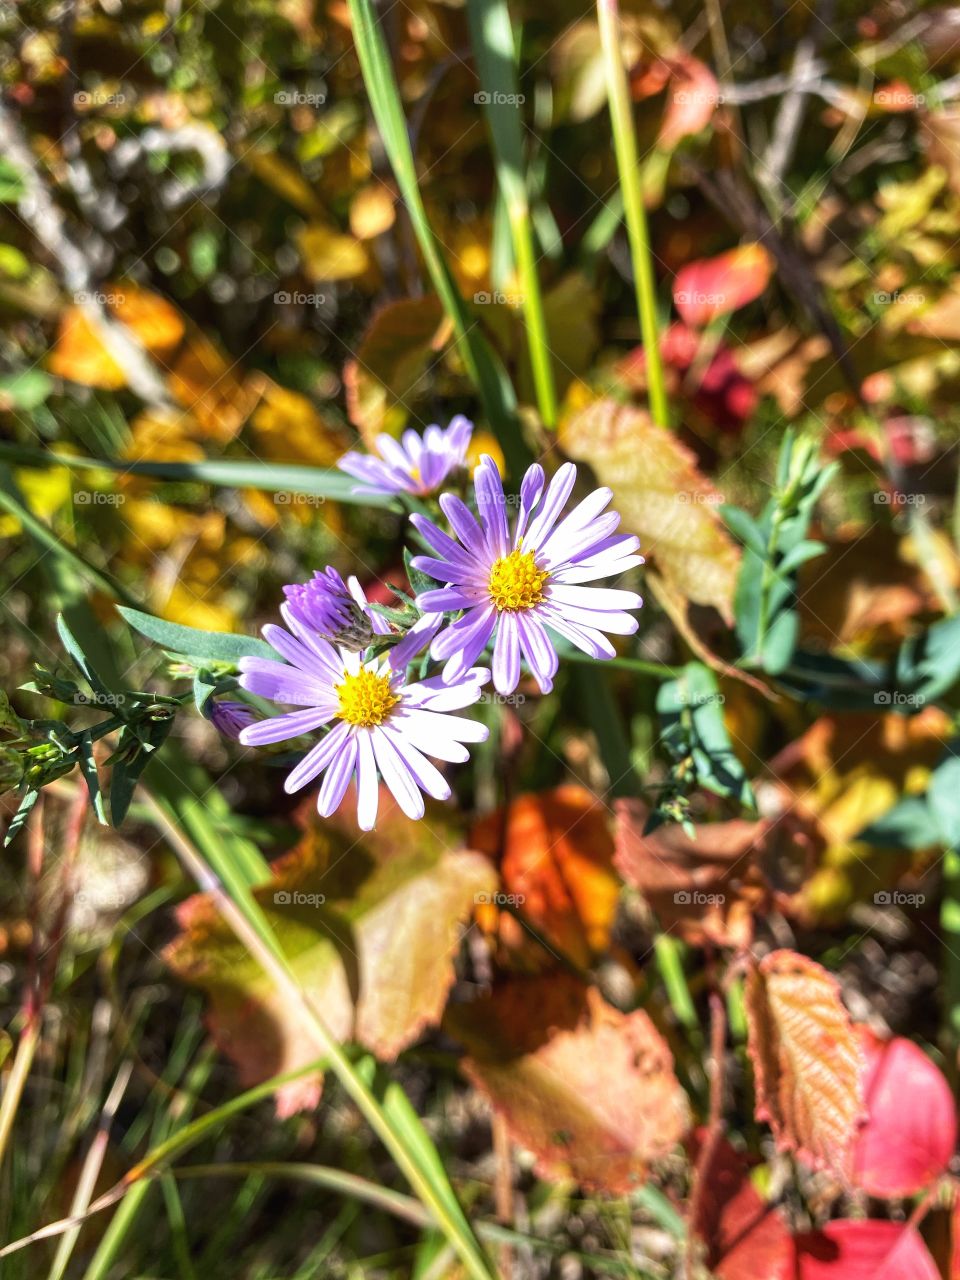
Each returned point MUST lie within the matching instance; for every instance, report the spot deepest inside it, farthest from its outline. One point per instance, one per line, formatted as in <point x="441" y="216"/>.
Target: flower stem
<point x="628" y="164"/>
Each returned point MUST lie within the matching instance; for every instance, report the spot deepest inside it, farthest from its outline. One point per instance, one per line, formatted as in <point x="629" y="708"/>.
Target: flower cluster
<point x="520" y="587"/>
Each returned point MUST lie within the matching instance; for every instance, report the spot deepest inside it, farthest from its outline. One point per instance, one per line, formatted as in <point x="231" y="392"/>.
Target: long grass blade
<point x="628" y="165"/>
<point x="495" y="56"/>
<point x="486" y="370"/>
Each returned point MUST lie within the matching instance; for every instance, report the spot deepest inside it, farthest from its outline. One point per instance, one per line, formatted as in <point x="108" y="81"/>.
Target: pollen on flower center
<point x="366" y="699"/>
<point x="516" y="582"/>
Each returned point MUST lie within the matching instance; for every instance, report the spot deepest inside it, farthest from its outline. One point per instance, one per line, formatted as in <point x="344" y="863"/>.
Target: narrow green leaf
<point x="215" y="646"/>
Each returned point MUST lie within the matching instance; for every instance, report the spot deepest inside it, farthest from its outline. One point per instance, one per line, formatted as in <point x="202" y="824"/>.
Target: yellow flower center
<point x="366" y="699"/>
<point x="516" y="582"/>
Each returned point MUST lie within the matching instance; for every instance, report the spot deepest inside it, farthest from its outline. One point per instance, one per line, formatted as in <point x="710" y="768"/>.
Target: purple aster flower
<point x="381" y="725"/>
<point x="513" y="587"/>
<point x="412" y="464"/>
<point x="229" y="718"/>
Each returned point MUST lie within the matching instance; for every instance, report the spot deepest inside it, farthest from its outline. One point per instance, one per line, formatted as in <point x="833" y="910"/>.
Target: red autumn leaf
<point x="557" y="866"/>
<point x="693" y="95"/>
<point x="589" y="1090"/>
<point x="720" y="393"/>
<point x="745" y="1238"/>
<point x="807" y="1060"/>
<point x="911" y="1129"/>
<point x="712" y="287"/>
<point x="863" y="1250"/>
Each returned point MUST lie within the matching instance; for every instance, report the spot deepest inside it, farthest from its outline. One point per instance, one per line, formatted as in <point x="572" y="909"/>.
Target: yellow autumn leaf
<point x="330" y="255"/>
<point x="662" y="496"/>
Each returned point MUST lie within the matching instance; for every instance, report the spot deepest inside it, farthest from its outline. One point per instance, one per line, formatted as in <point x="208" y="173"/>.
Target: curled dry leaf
<point x="911" y="1129"/>
<point x="589" y="1090"/>
<point x="369" y="928"/>
<point x="861" y="1250"/>
<point x="745" y="1239"/>
<point x="661" y="495"/>
<point x="557" y="865"/>
<point x="707" y="888"/>
<point x="807" y="1061"/>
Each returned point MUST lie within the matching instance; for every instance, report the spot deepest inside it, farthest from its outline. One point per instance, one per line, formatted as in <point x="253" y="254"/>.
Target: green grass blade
<point x="628" y="165"/>
<point x="495" y="56"/>
<point x="314" y="482"/>
<point x="488" y="374"/>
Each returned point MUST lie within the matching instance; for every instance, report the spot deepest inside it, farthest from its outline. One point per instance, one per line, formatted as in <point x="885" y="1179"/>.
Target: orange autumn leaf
<point x="80" y="353"/>
<point x="589" y="1090"/>
<point x="557" y="863"/>
<point x="381" y="379"/>
<point x="156" y="322"/>
<point x="80" y="356"/>
<point x="709" y="288"/>
<point x="204" y="381"/>
<point x="808" y="1062"/>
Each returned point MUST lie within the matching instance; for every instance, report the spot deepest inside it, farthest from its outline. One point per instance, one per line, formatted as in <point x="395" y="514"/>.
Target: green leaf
<point x="743" y="526"/>
<point x="928" y="665"/>
<point x="88" y="768"/>
<point x="215" y="646"/>
<point x="72" y="647"/>
<point x="12" y="186"/>
<point x="19" y="818"/>
<point x="26" y="389"/>
<point x="909" y="824"/>
<point x="496" y="58"/>
<point x="273" y="477"/>
<point x="943" y="797"/>
<point x="775" y="547"/>
<point x="694" y="734"/>
<point x="204" y="687"/>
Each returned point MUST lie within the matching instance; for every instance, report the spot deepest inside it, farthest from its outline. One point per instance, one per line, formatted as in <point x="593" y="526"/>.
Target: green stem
<point x="628" y="164"/>
<point x="950" y="935"/>
<point x="496" y="58"/>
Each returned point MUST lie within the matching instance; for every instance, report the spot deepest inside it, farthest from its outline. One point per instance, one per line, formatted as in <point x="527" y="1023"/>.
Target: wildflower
<point x="230" y="717"/>
<point x="513" y="588"/>
<point x="380" y="723"/>
<point x="414" y="464"/>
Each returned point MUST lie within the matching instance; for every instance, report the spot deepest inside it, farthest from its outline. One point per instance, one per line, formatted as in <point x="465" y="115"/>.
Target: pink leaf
<point x="866" y="1250"/>
<point x="911" y="1129"/>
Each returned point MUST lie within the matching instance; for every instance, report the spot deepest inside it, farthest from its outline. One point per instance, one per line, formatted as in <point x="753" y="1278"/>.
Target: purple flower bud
<point x="326" y="605"/>
<point x="230" y="718"/>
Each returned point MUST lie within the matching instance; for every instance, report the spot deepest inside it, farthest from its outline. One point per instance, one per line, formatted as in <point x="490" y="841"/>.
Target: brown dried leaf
<point x="589" y="1090"/>
<point x="807" y="1060"/>
<point x="706" y="889"/>
<point x="661" y="495"/>
<point x="369" y="928"/>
